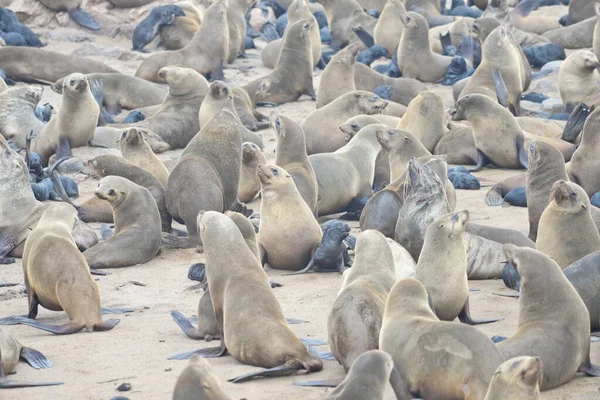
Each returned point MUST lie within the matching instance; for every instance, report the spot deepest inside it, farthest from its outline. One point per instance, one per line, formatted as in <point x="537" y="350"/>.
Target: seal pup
<point x="252" y="157"/>
<point x="347" y="173"/>
<point x="179" y="33"/>
<point x="566" y="229"/>
<point x="137" y="236"/>
<point x="17" y="114"/>
<point x="197" y="381"/>
<point x="581" y="169"/>
<point x="150" y="27"/>
<point x="135" y="148"/>
<point x="578" y="79"/>
<point x="290" y="154"/>
<point x="411" y="331"/>
<point x="321" y="127"/>
<point x="549" y="306"/>
<point x="207" y="57"/>
<point x="517" y="378"/>
<point x="73" y="8"/>
<point x="342" y="17"/>
<point x="424" y="118"/>
<point x="237" y="283"/>
<point x="285" y="245"/>
<point x="11" y="351"/>
<point x="206" y="176"/>
<point x="63" y="284"/>
<point x="73" y="125"/>
<point x="338" y="76"/>
<point x="355" y="318"/>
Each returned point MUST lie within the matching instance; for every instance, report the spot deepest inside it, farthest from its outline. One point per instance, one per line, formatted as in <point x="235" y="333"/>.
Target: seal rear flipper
<point x="575" y="123"/>
<point x="241" y="208"/>
<point x="326" y="355"/>
<point x="482" y="161"/>
<point x="465" y="317"/>
<point x="7" y="260"/>
<point x="65" y="329"/>
<point x="209" y="352"/>
<point x="107" y="310"/>
<point x="180" y="242"/>
<point x="292" y="321"/>
<point x="35" y="359"/>
<point x="399" y="385"/>
<point x="95" y="271"/>
<point x="106" y="325"/>
<point x="446" y="40"/>
<point x="364" y="36"/>
<point x="56" y="182"/>
<point x="590" y="369"/>
<point x="11" y="384"/>
<point x="83" y="18"/>
<point x="289" y="368"/>
<point x="185" y="325"/>
<point x="500" y="87"/>
<point x="493" y="198"/>
<point x="511" y="277"/>
<point x="333" y="382"/>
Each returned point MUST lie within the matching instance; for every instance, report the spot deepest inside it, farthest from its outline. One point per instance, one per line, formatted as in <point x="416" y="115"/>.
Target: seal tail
<point x="575" y="123"/>
<point x="83" y="18"/>
<point x="11" y="384"/>
<point x="364" y="36"/>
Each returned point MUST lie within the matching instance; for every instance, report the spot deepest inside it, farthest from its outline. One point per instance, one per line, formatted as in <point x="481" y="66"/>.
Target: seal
<point x="11" y="351"/>
<point x="578" y="79"/>
<point x="285" y="245"/>
<point x="579" y="10"/>
<point x="17" y="114"/>
<point x="252" y="157"/>
<point x="73" y="125"/>
<point x="566" y="229"/>
<point x="73" y="8"/>
<point x="338" y="76"/>
<point x="135" y="148"/>
<point x="206" y="176"/>
<point x="430" y="9"/>
<point x="355" y="318"/>
<point x="239" y="285"/>
<point x="388" y="31"/>
<point x="347" y="173"/>
<point x="290" y="154"/>
<point x="149" y="28"/>
<point x="424" y="118"/>
<point x="207" y="57"/>
<point x="549" y="303"/>
<point x="580" y="168"/>
<point x="67" y="286"/>
<point x="470" y="357"/>
<point x="236" y="23"/>
<point x="583" y="275"/>
<point x="327" y="119"/>
<point x="251" y="118"/>
<point x="576" y="36"/>
<point x="342" y="17"/>
<point x="458" y="145"/>
<point x="403" y="89"/>
<point x="198" y="381"/>
<point x="137" y="236"/>
<point x="517" y="378"/>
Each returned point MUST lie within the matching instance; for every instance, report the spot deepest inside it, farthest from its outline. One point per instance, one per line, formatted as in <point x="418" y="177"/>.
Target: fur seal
<point x="517" y="378"/>
<point x="290" y="154"/>
<point x="137" y="236"/>
<point x="566" y="230"/>
<point x="411" y="331"/>
<point x="321" y="127"/>
<point x="252" y="157"/>
<point x="424" y="118"/>
<point x="388" y="31"/>
<point x="342" y="17"/>
<point x="458" y="145"/>
<point x="73" y="8"/>
<point x="151" y="26"/>
<point x="135" y="148"/>
<point x="180" y="32"/>
<point x="579" y="10"/>
<point x="347" y="173"/>
<point x="581" y="169"/>
<point x="197" y="381"/>
<point x="74" y="124"/>
<point x="207" y="57"/>
<point x="578" y="79"/>
<point x="549" y="305"/>
<point x="576" y="36"/>
<point x="206" y="176"/>
<point x="17" y="114"/>
<point x="355" y="318"/>
<point x="403" y="89"/>
<point x="285" y="245"/>
<point x="583" y="274"/>
<point x="238" y="286"/>
<point x="251" y="118"/>
<point x="338" y="76"/>
<point x="236" y="23"/>
<point x="11" y="351"/>
<point x="431" y="10"/>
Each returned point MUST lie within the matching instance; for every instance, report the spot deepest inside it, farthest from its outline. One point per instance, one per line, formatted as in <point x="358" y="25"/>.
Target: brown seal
<point x="424" y="118"/>
<point x="137" y="236"/>
<point x="252" y="157"/>
<point x="566" y="229"/>
<point x="416" y="339"/>
<point x="74" y="124"/>
<point x="179" y="33"/>
<point x="206" y="176"/>
<point x="285" y="244"/>
<point x="197" y="381"/>
<point x="207" y="57"/>
<point x="583" y="165"/>
<point x="135" y="148"/>
<point x="250" y="117"/>
<point x="17" y="118"/>
<point x="578" y="79"/>
<point x="342" y="17"/>
<point x="236" y="24"/>
<point x="290" y="154"/>
<point x="388" y="31"/>
<point x="338" y="76"/>
<point x="458" y="145"/>
<point x="549" y="306"/>
<point x="403" y="89"/>
<point x="576" y="36"/>
<point x="517" y="378"/>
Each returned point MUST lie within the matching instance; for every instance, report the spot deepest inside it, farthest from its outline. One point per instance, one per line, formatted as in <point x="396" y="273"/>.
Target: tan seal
<point x="578" y="79"/>
<point x="252" y="157"/>
<point x="338" y="76"/>
<point x="197" y="381"/>
<point x="342" y="17"/>
<point x="424" y="118"/>
<point x="517" y="378"/>
<point x="388" y="31"/>
<point x="403" y="89"/>
<point x="17" y="118"/>
<point x="135" y="148"/>
<point x="583" y="167"/>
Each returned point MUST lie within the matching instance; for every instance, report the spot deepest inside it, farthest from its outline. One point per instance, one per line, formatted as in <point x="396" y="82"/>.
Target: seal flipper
<point x="305" y="270"/>
<point x="446" y="40"/>
<point x="500" y="87"/>
<point x="65" y="329"/>
<point x="241" y="208"/>
<point x="209" y="352"/>
<point x="179" y="242"/>
<point x="289" y="368"/>
<point x="465" y="317"/>
<point x="269" y="32"/>
<point x="218" y="74"/>
<point x="106" y="310"/>
<point x="197" y="272"/>
<point x="525" y="7"/>
<point x="364" y="36"/>
<point x="185" y="325"/>
<point x="399" y="385"/>
<point x="35" y="359"/>
<point x="58" y="187"/>
<point x="523" y="159"/>
<point x="575" y="123"/>
<point x="333" y="382"/>
<point x="511" y="277"/>
<point x="64" y="148"/>
<point x="83" y="18"/>
<point x="482" y="161"/>
<point x="106" y="325"/>
<point x="590" y="369"/>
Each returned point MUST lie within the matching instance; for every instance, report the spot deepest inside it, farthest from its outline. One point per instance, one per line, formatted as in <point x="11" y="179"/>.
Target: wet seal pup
<point x="135" y="148"/>
<point x="342" y="17"/>
<point x="197" y="381"/>
<point x="74" y="124"/>
<point x="411" y="331"/>
<point x="17" y="114"/>
<point x="57" y="276"/>
<point x="347" y="173"/>
<point x="338" y="76"/>
<point x="252" y="157"/>
<point x="290" y="154"/>
<point x="583" y="165"/>
<point x="11" y="351"/>
<point x="321" y="127"/>
<point x="237" y="283"/>
<point x="355" y="318"/>
<point x="73" y="8"/>
<point x="424" y="118"/>
<point x="284" y="244"/>
<point x="150" y="26"/>
<point x="206" y="176"/>
<point x="549" y="306"/>
<point x="137" y="236"/>
<point x="207" y="57"/>
<point x="517" y="378"/>
<point x="566" y="229"/>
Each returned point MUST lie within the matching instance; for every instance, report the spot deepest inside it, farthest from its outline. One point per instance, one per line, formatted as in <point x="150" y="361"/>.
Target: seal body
<point x="197" y="381"/>
<point x="17" y="114"/>
<point x="135" y="148"/>
<point x="252" y="157"/>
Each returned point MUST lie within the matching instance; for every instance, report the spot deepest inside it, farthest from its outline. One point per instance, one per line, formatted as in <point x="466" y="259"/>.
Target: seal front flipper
<point x="523" y="158"/>
<point x="185" y="325"/>
<point x="511" y="277"/>
<point x="334" y="382"/>
<point x="35" y="359"/>
<point x="482" y="161"/>
<point x="364" y="36"/>
<point x="64" y="329"/>
<point x="500" y="87"/>
<point x="589" y="369"/>
<point x="399" y="385"/>
<point x="446" y="40"/>
<point x="465" y="317"/>
<point x="83" y="18"/>
<point x="575" y="123"/>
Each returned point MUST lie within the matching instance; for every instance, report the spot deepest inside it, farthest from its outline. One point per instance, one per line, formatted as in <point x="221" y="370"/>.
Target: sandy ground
<point x="93" y="365"/>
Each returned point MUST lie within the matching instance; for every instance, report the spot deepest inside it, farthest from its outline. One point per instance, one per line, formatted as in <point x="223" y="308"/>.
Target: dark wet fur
<point x="133" y="117"/>
<point x="44" y="112"/>
<point x="517" y="197"/>
<point x="575" y="123"/>
<point x="391" y="69"/>
<point x="539" y="56"/>
<point x="9" y="23"/>
<point x="149" y="28"/>
<point x="534" y="97"/>
<point x="461" y="178"/>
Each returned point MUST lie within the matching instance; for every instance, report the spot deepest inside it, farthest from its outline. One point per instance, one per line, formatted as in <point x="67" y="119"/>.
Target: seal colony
<point x="330" y="180"/>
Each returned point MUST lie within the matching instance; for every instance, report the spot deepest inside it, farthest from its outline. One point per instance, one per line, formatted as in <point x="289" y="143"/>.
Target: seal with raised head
<point x="338" y="76"/>
<point x="388" y="31"/>
<point x="554" y="323"/>
<point x="17" y="114"/>
<point x="290" y="154"/>
<point x="135" y="148"/>
<point x="252" y="157"/>
<point x="517" y="378"/>
<point x="411" y="331"/>
<point x="137" y="237"/>
<point x="197" y="381"/>
<point x="578" y="79"/>
<point x="285" y="244"/>
<point x="583" y="167"/>
<point x="424" y="118"/>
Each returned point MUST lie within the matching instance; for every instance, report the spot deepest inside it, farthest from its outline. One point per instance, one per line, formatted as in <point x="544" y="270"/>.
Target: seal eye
<point x="572" y="194"/>
<point x="390" y="133"/>
<point x="373" y="99"/>
<point x="274" y="171"/>
<point x="354" y="127"/>
<point x="111" y="192"/>
<point x="72" y="82"/>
